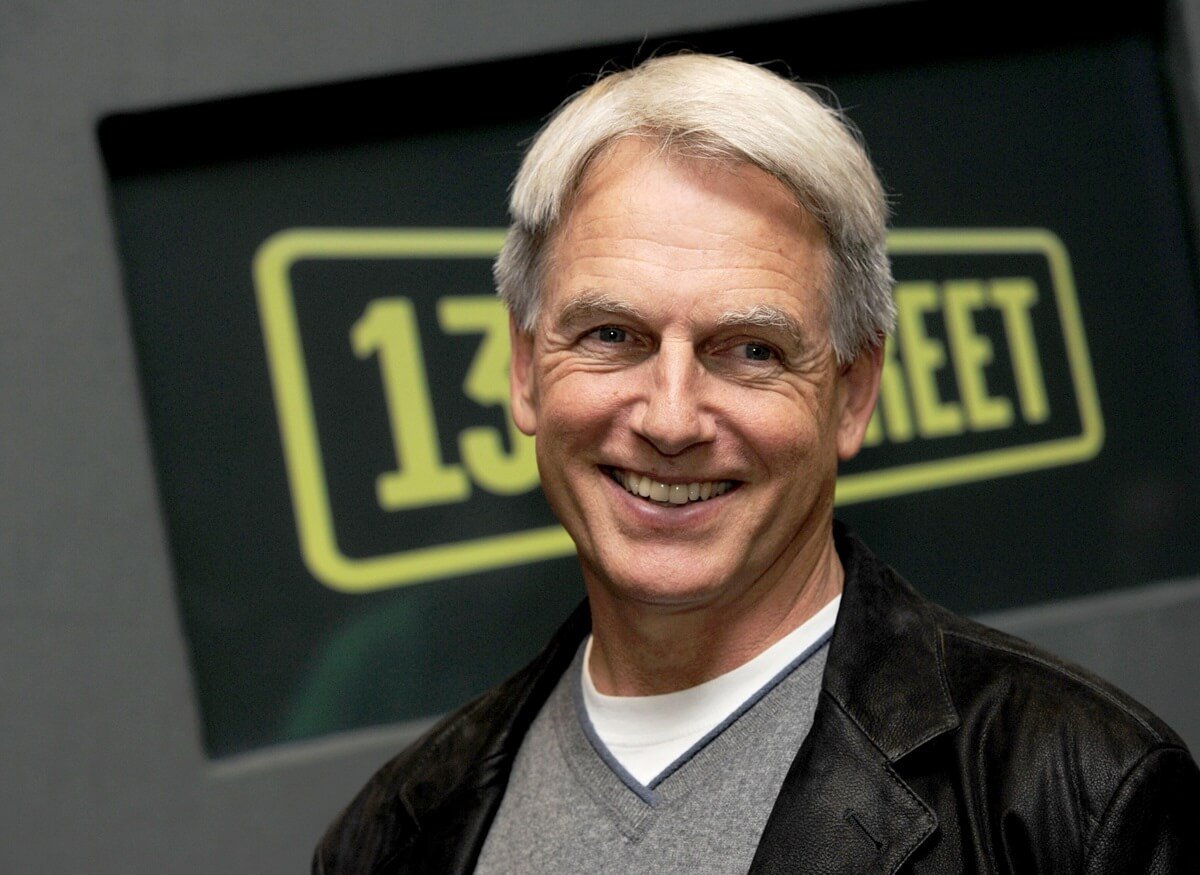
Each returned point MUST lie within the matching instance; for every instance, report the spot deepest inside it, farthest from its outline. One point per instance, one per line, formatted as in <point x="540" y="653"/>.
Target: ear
<point x="859" y="387"/>
<point x="524" y="398"/>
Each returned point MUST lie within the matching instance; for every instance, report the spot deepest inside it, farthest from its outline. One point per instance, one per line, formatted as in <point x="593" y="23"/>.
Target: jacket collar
<point x="885" y="665"/>
<point x="845" y="806"/>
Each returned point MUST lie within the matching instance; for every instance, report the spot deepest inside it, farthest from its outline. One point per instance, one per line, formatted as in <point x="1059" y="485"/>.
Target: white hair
<point x="713" y="108"/>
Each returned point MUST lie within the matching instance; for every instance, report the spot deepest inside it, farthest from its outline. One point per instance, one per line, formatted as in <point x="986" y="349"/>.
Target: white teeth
<point x="671" y="493"/>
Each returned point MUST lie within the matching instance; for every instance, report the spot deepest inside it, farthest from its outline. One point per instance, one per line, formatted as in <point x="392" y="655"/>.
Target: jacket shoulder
<point x="1058" y="753"/>
<point x="987" y="667"/>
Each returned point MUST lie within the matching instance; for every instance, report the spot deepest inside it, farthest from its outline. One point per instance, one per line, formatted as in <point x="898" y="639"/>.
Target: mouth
<point x="668" y="494"/>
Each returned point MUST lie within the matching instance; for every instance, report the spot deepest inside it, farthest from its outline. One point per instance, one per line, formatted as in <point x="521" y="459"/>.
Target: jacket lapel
<point x="844" y="807"/>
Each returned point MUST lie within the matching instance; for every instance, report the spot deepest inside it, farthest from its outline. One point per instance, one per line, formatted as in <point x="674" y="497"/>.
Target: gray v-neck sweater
<point x="570" y="808"/>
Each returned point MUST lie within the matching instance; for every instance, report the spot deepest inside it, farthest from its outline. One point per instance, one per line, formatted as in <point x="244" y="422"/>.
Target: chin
<point x="664" y="593"/>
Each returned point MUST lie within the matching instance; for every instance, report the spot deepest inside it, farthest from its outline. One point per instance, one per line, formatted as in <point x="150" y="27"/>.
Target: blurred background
<point x="262" y="516"/>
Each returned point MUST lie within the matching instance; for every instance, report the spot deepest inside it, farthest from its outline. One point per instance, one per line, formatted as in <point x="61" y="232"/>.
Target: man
<point x="699" y="290"/>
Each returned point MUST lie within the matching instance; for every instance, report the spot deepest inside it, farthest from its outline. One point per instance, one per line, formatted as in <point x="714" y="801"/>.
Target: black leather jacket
<point x="938" y="746"/>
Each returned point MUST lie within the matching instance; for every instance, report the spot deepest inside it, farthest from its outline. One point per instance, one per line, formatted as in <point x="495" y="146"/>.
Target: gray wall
<point x="102" y="767"/>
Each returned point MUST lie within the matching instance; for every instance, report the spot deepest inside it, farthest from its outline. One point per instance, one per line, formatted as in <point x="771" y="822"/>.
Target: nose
<point x="673" y="415"/>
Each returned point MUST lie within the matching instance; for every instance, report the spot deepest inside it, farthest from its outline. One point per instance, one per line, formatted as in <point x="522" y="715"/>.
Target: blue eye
<point x="758" y="352"/>
<point x="609" y="334"/>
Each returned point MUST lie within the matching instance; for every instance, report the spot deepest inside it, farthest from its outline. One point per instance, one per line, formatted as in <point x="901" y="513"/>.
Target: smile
<point x="669" y="493"/>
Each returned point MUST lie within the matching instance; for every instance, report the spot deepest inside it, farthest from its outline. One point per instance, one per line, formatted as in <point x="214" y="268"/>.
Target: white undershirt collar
<point x="645" y="734"/>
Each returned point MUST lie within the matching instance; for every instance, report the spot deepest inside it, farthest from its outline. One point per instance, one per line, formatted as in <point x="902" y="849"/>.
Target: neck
<point x="643" y="649"/>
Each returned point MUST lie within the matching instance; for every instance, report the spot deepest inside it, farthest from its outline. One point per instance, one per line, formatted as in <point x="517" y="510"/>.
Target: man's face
<point x="683" y="348"/>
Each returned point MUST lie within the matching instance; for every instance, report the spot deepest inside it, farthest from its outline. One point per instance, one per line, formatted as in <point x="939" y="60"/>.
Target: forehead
<point x="655" y="227"/>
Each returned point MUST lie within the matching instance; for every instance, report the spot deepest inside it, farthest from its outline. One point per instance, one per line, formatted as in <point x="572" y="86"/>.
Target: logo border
<point x="315" y="526"/>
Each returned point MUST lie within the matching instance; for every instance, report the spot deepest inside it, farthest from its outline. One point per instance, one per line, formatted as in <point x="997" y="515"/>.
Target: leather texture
<point x="938" y="746"/>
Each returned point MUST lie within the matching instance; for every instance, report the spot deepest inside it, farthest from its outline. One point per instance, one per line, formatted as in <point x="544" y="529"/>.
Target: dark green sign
<point x="357" y="528"/>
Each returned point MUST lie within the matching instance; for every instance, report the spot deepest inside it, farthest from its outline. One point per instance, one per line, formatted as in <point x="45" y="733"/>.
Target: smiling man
<point x="700" y="291"/>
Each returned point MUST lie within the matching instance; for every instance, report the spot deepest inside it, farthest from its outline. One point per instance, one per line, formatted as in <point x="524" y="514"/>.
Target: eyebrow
<point x="765" y="316"/>
<point x="592" y="303"/>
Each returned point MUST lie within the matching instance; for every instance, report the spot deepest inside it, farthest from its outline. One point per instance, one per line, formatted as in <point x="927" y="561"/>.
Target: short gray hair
<point x="713" y="108"/>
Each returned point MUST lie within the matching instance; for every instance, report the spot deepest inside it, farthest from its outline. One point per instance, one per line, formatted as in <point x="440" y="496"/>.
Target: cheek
<point x="787" y="436"/>
<point x="577" y="412"/>
<point x="576" y="427"/>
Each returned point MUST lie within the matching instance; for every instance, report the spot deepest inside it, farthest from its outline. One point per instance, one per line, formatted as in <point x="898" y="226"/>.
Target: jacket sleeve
<point x="1152" y="823"/>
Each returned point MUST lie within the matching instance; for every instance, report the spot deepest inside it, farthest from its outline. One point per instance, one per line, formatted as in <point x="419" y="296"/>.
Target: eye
<point x="758" y="352"/>
<point x="610" y="334"/>
<point x="613" y="344"/>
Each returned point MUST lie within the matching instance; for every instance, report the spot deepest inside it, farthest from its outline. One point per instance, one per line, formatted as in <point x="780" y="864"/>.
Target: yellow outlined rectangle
<point x="302" y="452"/>
<point x="918" y="476"/>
